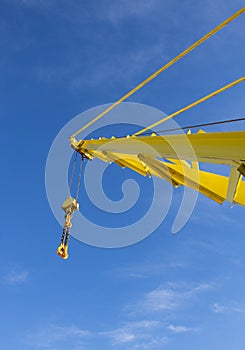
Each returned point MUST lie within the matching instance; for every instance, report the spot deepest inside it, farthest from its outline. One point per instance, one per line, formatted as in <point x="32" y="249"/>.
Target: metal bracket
<point x="241" y="169"/>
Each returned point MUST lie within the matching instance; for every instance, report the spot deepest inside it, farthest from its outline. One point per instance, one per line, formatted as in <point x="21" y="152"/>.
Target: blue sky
<point x="59" y="58"/>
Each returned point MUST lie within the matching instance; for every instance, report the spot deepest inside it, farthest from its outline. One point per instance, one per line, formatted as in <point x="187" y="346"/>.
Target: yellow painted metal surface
<point x="175" y="158"/>
<point x="218" y="148"/>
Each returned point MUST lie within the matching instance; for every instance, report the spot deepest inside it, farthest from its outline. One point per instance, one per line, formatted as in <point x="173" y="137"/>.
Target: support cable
<point x="193" y="104"/>
<point x="163" y="68"/>
<point x="227" y="121"/>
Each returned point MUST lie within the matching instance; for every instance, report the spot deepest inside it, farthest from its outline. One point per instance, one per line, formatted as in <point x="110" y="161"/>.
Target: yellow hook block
<point x="69" y="206"/>
<point x="62" y="251"/>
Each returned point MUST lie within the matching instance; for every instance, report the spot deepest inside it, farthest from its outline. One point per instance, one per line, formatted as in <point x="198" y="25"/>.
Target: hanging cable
<point x="193" y="104"/>
<point x="69" y="206"/>
<point x="163" y="68"/>
<point x="79" y="177"/>
<point x="72" y="174"/>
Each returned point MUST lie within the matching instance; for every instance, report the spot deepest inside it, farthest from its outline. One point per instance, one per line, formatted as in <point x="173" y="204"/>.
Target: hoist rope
<point x="79" y="177"/>
<point x="216" y="92"/>
<point x="72" y="174"/>
<point x="163" y="68"/>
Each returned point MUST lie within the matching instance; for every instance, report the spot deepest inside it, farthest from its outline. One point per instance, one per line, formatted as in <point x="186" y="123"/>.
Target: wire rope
<point x="163" y="68"/>
<point x="191" y="105"/>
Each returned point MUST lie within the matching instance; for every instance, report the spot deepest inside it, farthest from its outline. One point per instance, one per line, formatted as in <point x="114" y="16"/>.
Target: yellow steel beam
<point x="211" y="185"/>
<point x="234" y="181"/>
<point x="219" y="148"/>
<point x="142" y="155"/>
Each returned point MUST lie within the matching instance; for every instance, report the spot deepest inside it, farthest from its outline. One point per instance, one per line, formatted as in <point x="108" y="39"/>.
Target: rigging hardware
<point x="69" y="206"/>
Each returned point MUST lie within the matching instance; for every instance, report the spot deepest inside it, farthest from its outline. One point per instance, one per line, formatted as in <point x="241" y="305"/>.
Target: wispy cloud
<point x="142" y="334"/>
<point x="146" y="334"/>
<point x="146" y="269"/>
<point x="181" y="329"/>
<point x="35" y="3"/>
<point x="131" y="331"/>
<point x="125" y="67"/>
<point x="106" y="59"/>
<point x="56" y="337"/>
<point x="234" y="307"/>
<point x="16" y="276"/>
<point x="168" y="298"/>
<point x="156" y="333"/>
<point x="124" y="9"/>
<point x="113" y="61"/>
<point x="155" y="343"/>
<point x="161" y="299"/>
<point x="106" y="10"/>
<point x="96" y="65"/>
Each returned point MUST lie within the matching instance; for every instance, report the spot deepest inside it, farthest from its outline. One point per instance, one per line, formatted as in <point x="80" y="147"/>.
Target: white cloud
<point x="168" y="298"/>
<point x="181" y="329"/>
<point x="115" y="11"/>
<point x="16" y="276"/>
<point x="154" y="343"/>
<point x="131" y="330"/>
<point x="136" y="275"/>
<point x="113" y="64"/>
<point x="142" y="334"/>
<point x="52" y="336"/>
<point x="147" y="269"/>
<point x="228" y="308"/>
<point x="138" y="335"/>
<point x="107" y="10"/>
<point x="120" y="335"/>
<point x="36" y="3"/>
<point x="121" y="67"/>
<point x="161" y="299"/>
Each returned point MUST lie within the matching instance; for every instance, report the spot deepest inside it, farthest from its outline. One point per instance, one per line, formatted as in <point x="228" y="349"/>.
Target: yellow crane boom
<point x="174" y="158"/>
